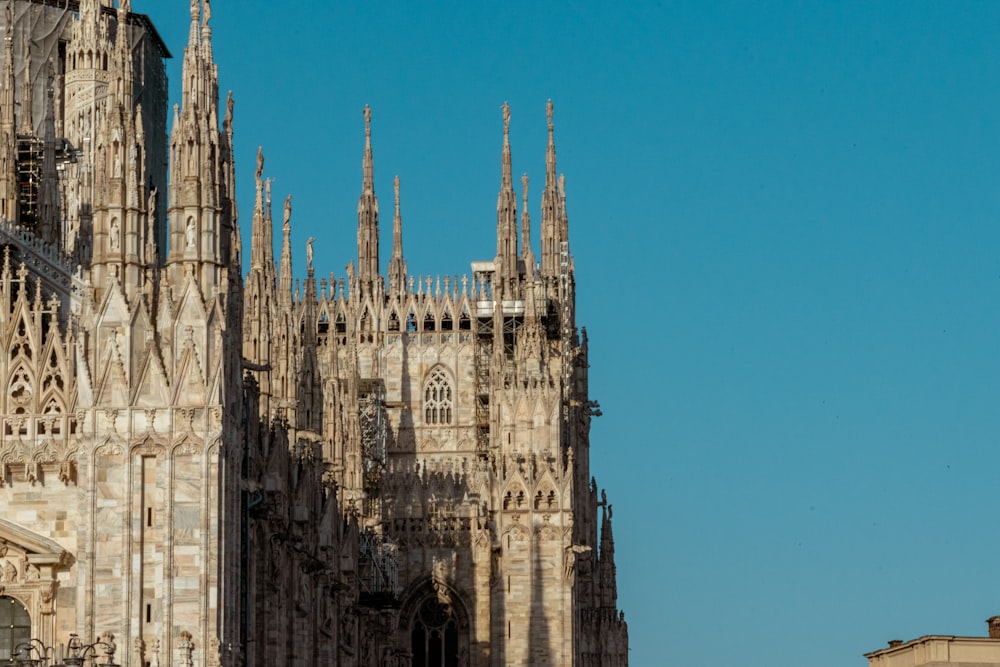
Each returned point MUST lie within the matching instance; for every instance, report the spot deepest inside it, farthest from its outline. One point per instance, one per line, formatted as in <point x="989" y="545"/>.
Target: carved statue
<point x="288" y="211"/>
<point x="207" y="13"/>
<point x="151" y="204"/>
<point x="506" y="117"/>
<point x="190" y="233"/>
<point x="8" y="573"/>
<point x="309" y="254"/>
<point x="260" y="162"/>
<point x="116" y="234"/>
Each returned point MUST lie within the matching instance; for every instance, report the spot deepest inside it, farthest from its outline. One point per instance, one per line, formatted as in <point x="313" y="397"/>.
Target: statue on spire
<point x="288" y="212"/>
<point x="368" y="120"/>
<point x="260" y="162"/>
<point x="548" y="113"/>
<point x="207" y="13"/>
<point x="506" y="118"/>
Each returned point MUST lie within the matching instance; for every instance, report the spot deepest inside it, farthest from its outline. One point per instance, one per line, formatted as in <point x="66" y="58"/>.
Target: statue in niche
<point x="116" y="234"/>
<point x="190" y="233"/>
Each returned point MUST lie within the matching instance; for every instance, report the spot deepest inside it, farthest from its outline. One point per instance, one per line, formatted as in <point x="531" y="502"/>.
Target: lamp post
<point x="34" y="653"/>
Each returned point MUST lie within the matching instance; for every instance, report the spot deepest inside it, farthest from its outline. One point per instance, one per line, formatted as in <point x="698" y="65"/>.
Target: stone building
<point x="942" y="650"/>
<point x="204" y="467"/>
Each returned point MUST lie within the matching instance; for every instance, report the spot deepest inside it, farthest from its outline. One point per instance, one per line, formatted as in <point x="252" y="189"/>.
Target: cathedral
<point x="205" y="462"/>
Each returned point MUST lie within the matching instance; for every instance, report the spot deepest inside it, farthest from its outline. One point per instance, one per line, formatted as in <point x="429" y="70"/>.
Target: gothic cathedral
<point x="202" y="466"/>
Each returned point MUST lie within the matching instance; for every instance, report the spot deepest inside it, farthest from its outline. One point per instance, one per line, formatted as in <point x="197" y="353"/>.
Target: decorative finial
<point x="368" y="120"/>
<point x="395" y="187"/>
<point x="506" y="118"/>
<point x="524" y="186"/>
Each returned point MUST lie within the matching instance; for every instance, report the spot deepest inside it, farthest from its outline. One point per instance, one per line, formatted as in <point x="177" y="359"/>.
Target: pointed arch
<point x="439" y="401"/>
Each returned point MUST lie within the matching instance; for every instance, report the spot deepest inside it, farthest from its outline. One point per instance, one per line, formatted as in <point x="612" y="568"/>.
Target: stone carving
<point x="185" y="649"/>
<point x="8" y="573"/>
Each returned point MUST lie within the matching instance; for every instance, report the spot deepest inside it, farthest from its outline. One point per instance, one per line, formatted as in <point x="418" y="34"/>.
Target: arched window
<point x="437" y="398"/>
<point x="15" y="627"/>
<point x="434" y="639"/>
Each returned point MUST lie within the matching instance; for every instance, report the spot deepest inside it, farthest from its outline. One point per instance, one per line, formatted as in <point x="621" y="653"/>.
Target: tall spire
<point x="8" y="168"/>
<point x="262" y="245"/>
<point x="529" y="257"/>
<point x="27" y="97"/>
<point x="49" y="193"/>
<point x="202" y="213"/>
<point x="368" y="266"/>
<point x="285" y="279"/>
<point x="550" y="206"/>
<point x="608" y="572"/>
<point x="397" y="265"/>
<point x="506" y="260"/>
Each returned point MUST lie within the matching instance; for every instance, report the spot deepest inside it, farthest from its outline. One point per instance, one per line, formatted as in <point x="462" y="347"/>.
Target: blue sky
<point x="784" y="218"/>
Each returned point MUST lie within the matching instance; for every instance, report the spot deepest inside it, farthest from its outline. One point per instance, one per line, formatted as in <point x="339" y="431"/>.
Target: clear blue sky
<point x="785" y="225"/>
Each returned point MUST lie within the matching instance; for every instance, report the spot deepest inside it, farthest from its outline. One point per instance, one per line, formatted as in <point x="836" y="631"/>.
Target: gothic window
<point x="446" y="324"/>
<point x="438" y="399"/>
<point x="15" y="627"/>
<point x="434" y="639"/>
<point x="429" y="321"/>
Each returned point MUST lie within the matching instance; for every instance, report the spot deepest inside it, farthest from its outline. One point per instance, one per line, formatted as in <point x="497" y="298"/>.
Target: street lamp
<point x="44" y="653"/>
<point x="77" y="653"/>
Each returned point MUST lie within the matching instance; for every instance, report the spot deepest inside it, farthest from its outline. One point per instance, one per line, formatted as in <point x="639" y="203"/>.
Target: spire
<point x="397" y="265"/>
<point x="506" y="259"/>
<point x="202" y="213"/>
<point x="8" y="168"/>
<point x="49" y="195"/>
<point x="367" y="166"/>
<point x="607" y="571"/>
<point x="529" y="257"/>
<point x="285" y="286"/>
<point x="368" y="265"/>
<point x="550" y="206"/>
<point x="27" y="98"/>
<point x="262" y="249"/>
<point x="123" y="58"/>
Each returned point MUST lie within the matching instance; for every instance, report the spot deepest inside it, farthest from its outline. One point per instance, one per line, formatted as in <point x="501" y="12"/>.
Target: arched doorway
<point x="15" y="626"/>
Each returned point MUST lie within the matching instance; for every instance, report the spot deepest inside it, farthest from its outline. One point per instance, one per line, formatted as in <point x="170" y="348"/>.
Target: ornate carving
<point x="8" y="573"/>
<point x="185" y="649"/>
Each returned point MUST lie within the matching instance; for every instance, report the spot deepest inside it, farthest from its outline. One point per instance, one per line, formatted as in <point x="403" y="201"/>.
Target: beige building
<point x="204" y="467"/>
<point x="942" y="651"/>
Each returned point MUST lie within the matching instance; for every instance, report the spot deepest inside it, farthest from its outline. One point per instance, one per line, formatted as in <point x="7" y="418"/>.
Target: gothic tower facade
<point x="201" y="466"/>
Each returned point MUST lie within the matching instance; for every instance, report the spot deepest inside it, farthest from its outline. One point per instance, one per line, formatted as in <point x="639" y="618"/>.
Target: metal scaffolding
<point x="379" y="570"/>
<point x="372" y="419"/>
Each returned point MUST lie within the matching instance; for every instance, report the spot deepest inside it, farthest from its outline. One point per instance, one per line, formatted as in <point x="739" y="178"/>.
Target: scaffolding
<point x="372" y="420"/>
<point x="484" y="357"/>
<point x="30" y="158"/>
<point x="379" y="570"/>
